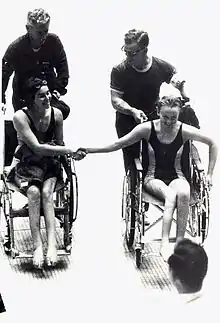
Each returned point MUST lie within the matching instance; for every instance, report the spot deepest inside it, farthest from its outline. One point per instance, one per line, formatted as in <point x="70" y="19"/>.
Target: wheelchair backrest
<point x="186" y="161"/>
<point x="11" y="142"/>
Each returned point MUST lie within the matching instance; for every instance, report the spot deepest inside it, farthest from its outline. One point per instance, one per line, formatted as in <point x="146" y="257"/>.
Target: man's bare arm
<point x="119" y="104"/>
<point x="123" y="107"/>
<point x="179" y="85"/>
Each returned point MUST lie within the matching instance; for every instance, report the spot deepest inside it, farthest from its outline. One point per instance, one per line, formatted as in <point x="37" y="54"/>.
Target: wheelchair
<point x="136" y="201"/>
<point x="65" y="198"/>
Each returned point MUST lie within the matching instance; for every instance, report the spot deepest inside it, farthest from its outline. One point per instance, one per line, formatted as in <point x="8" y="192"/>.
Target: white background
<point x="186" y="34"/>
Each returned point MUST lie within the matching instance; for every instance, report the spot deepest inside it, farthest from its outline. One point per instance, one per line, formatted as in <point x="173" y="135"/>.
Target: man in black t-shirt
<point x="38" y="54"/>
<point x="135" y="88"/>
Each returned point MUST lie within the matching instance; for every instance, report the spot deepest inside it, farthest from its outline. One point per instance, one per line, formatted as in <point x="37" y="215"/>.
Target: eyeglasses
<point x="131" y="53"/>
<point x="40" y="83"/>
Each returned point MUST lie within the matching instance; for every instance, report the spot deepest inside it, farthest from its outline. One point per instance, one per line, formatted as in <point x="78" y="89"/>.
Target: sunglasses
<point x="131" y="53"/>
<point x="39" y="84"/>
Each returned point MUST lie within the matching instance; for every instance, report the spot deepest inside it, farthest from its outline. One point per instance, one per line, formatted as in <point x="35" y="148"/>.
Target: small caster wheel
<point x="7" y="248"/>
<point x="14" y="253"/>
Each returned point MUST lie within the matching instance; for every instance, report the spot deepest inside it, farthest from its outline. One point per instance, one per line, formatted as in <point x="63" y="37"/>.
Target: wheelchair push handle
<point x="3" y="108"/>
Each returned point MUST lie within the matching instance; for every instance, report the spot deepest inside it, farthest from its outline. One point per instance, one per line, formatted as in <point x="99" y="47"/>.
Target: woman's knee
<point x="183" y="192"/>
<point x="170" y="198"/>
<point x="47" y="194"/>
<point x="33" y="193"/>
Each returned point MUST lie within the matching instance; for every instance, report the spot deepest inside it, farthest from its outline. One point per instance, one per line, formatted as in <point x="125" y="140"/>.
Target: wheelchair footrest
<point x="23" y="212"/>
<point x="19" y="254"/>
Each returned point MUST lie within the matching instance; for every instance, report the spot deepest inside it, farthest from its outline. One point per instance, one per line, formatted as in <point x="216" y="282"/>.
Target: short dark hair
<point x="189" y="263"/>
<point x="31" y="87"/>
<point x="171" y="101"/>
<point x="140" y="36"/>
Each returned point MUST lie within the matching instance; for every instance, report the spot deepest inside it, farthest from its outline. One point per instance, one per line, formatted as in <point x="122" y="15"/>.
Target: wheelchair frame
<point x="136" y="201"/>
<point x="65" y="206"/>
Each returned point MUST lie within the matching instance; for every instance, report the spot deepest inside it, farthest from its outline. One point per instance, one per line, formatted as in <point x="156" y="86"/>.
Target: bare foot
<point x="38" y="257"/>
<point x="166" y="250"/>
<point x="51" y="257"/>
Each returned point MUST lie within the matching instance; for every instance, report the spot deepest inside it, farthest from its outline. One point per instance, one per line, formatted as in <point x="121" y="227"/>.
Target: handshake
<point x="80" y="153"/>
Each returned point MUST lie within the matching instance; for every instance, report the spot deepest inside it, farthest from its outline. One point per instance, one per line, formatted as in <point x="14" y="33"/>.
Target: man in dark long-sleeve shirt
<point x="37" y="53"/>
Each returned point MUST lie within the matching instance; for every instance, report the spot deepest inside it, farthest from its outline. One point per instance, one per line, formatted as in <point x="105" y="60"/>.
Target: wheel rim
<point x="128" y="210"/>
<point x="205" y="214"/>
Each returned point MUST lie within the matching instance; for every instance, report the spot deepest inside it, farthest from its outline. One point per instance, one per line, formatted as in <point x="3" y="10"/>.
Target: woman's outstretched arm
<point x="139" y="132"/>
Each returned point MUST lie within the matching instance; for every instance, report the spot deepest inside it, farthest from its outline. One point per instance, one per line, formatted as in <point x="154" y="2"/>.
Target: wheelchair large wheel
<point x="128" y="210"/>
<point x="199" y="218"/>
<point x="205" y="210"/>
<point x="68" y="199"/>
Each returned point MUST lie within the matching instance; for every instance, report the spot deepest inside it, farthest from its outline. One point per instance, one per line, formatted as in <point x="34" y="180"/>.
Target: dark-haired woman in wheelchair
<point x="165" y="179"/>
<point x="39" y="129"/>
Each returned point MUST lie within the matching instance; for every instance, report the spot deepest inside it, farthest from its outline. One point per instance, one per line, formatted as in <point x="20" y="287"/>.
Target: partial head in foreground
<point x="37" y="26"/>
<point x="188" y="266"/>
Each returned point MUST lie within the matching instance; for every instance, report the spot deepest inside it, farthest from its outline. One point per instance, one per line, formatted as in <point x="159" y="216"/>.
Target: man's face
<point x="135" y="55"/>
<point x="38" y="34"/>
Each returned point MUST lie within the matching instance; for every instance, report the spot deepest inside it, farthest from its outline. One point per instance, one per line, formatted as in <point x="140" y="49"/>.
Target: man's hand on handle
<point x="139" y="115"/>
<point x="56" y="94"/>
<point x="3" y="108"/>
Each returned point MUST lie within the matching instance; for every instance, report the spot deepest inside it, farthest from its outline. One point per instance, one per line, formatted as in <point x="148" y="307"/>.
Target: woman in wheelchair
<point x="37" y="167"/>
<point x="165" y="178"/>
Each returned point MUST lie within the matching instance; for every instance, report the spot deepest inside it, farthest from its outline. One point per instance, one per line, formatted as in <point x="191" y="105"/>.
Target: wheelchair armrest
<point x="138" y="164"/>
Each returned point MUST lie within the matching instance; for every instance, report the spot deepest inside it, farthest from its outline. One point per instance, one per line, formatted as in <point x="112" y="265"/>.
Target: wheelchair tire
<point x="72" y="202"/>
<point x="128" y="203"/>
<point x="205" y="215"/>
<point x="67" y="197"/>
<point x="199" y="218"/>
<point x="138" y="257"/>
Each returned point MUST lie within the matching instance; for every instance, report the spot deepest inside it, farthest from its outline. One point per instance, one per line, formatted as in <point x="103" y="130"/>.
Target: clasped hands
<point x="80" y="153"/>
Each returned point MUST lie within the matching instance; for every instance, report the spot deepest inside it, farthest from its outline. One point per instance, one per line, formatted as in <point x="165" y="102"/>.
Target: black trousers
<point x="19" y="103"/>
<point x="124" y="124"/>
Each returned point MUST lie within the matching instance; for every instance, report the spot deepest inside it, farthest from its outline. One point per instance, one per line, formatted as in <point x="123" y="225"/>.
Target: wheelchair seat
<point x="151" y="199"/>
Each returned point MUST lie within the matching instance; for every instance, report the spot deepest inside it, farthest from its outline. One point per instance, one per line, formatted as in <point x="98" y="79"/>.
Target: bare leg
<point x="33" y="194"/>
<point x="49" y="215"/>
<point x="182" y="188"/>
<point x="165" y="193"/>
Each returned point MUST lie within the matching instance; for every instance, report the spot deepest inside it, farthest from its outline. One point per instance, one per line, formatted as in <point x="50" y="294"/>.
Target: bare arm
<point x="58" y="126"/>
<point x="25" y="133"/>
<point x="123" y="107"/>
<point x="139" y="132"/>
<point x="119" y="104"/>
<point x="179" y="85"/>
<point x="191" y="133"/>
